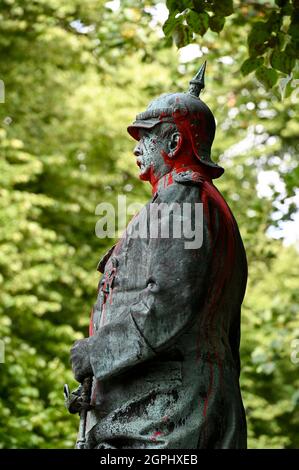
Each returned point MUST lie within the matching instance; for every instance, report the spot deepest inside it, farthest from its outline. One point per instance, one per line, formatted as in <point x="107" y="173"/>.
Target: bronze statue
<point x="165" y="329"/>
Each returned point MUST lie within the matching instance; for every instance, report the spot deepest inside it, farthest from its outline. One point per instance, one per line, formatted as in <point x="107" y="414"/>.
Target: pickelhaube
<point x="191" y="115"/>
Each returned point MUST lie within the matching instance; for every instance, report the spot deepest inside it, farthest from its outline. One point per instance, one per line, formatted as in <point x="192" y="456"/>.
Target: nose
<point x="137" y="150"/>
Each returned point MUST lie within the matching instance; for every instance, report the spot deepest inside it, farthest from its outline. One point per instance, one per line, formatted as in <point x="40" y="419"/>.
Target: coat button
<point x="152" y="285"/>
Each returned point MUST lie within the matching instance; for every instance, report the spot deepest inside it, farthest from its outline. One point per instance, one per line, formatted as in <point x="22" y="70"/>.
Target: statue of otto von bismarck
<point x="164" y="341"/>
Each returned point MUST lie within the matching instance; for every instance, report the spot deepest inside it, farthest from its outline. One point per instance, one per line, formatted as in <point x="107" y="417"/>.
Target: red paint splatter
<point x="91" y="322"/>
<point x="223" y="246"/>
<point x="103" y="315"/>
<point x="155" y="435"/>
<point x="170" y="179"/>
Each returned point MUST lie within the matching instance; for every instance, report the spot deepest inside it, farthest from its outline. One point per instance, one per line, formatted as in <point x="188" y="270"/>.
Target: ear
<point x="174" y="144"/>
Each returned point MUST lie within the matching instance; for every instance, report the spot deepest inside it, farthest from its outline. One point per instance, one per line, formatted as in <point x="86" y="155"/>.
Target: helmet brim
<point x="215" y="170"/>
<point x="146" y="124"/>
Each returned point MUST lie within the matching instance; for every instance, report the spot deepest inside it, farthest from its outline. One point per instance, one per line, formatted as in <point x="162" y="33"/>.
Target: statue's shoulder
<point x="185" y="187"/>
<point x="189" y="177"/>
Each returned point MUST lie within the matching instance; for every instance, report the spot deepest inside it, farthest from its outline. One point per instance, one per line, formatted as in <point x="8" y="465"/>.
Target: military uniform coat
<point x="166" y="331"/>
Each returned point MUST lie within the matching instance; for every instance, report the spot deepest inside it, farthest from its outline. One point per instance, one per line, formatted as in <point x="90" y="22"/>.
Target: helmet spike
<point x="198" y="82"/>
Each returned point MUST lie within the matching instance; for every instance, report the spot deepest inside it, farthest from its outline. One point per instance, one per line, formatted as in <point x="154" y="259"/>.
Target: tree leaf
<point x="283" y="87"/>
<point x="281" y="3"/>
<point x="280" y="39"/>
<point x="198" y="22"/>
<point x="251" y="64"/>
<point x="282" y="61"/>
<point x="216" y="23"/>
<point x="274" y="22"/>
<point x="257" y="38"/>
<point x="199" y="6"/>
<point x="223" y="7"/>
<point x="267" y="76"/>
<point x="173" y="5"/>
<point x="178" y="5"/>
<point x="292" y="49"/>
<point x="170" y="24"/>
<point x="294" y="26"/>
<point x="181" y="35"/>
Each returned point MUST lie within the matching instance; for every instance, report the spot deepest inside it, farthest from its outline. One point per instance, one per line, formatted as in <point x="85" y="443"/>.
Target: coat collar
<point x="188" y="175"/>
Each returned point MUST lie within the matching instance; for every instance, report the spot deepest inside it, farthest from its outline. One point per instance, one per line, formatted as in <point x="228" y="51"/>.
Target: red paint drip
<point x="224" y="247"/>
<point x="103" y="316"/>
<point x="111" y="279"/>
<point x="167" y="180"/>
<point x="91" y="322"/>
<point x="224" y="243"/>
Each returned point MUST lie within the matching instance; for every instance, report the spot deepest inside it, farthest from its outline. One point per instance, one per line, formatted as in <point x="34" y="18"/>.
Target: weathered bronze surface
<point x="165" y="329"/>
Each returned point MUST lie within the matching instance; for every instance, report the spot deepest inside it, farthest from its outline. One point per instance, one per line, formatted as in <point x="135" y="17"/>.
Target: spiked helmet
<point x="191" y="115"/>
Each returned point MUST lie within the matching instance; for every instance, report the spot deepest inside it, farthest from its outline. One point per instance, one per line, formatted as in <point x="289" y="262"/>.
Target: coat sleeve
<point x="174" y="290"/>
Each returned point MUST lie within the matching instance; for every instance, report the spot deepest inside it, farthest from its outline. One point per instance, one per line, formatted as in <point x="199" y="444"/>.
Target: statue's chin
<point x="145" y="175"/>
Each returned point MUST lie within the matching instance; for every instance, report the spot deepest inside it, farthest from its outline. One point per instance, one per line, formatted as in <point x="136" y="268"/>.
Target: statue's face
<point x="152" y="153"/>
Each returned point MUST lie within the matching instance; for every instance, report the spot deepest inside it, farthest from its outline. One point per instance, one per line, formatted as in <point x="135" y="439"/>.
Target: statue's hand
<point x="80" y="360"/>
<point x="74" y="403"/>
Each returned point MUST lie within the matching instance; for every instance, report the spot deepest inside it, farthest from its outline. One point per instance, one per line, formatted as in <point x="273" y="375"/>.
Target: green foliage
<point x="59" y="144"/>
<point x="283" y="62"/>
<point x="198" y="22"/>
<point x="251" y="64"/>
<point x="267" y="76"/>
<point x="71" y="90"/>
<point x="273" y="37"/>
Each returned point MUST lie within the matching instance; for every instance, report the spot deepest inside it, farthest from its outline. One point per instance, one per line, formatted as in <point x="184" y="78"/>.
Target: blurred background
<point x="74" y="75"/>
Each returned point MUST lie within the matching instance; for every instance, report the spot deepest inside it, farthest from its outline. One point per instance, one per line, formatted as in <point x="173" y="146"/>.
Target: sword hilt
<point x="85" y="397"/>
